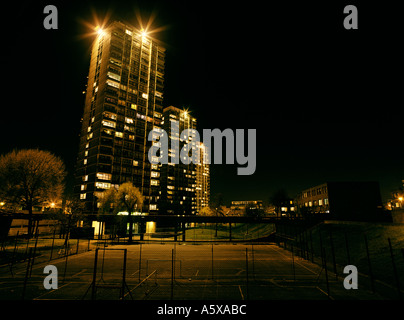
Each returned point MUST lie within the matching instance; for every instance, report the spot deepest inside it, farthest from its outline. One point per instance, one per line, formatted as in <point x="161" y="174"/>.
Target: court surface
<point x="181" y="271"/>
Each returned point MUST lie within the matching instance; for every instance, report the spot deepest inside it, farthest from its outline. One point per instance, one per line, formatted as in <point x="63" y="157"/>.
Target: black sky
<point x="326" y="102"/>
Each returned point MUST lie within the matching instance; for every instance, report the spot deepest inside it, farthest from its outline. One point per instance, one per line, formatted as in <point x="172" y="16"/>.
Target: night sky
<point x="327" y="103"/>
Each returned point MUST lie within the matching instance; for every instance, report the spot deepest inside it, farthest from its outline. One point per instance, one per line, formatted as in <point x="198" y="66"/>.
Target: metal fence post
<point x="93" y="289"/>
<point x="326" y="273"/>
<point x="347" y="247"/>
<point x="26" y="274"/>
<point x="311" y="246"/>
<point x="53" y="242"/>
<point x="372" y="284"/>
<point x="333" y="254"/>
<point x="172" y="274"/>
<point x="212" y="261"/>
<point x="293" y="262"/>
<point x="140" y="258"/>
<point x="395" y="270"/>
<point x="246" y="271"/>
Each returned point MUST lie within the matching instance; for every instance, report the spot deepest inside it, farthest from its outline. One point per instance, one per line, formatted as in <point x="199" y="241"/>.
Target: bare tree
<point x="29" y="178"/>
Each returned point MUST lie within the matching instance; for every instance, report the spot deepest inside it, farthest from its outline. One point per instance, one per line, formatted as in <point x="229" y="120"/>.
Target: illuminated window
<point x="325" y="201"/>
<point x="103" y="185"/>
<point x="128" y="32"/>
<point x="133" y="106"/>
<point x="110" y="115"/>
<point x="119" y="134"/>
<point x="114" y="76"/>
<point x="154" y="182"/>
<point x="320" y="202"/>
<point x="129" y="120"/>
<point x="155" y="174"/>
<point x="104" y="176"/>
<point x="83" y="196"/>
<point x="144" y="96"/>
<point x="85" y="161"/>
<point x="113" y="84"/>
<point x="127" y="128"/>
<point x="107" y="123"/>
<point x="153" y="207"/>
<point x="135" y="163"/>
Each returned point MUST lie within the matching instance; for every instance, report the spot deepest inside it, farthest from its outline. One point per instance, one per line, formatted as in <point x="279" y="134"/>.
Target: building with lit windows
<point x="353" y="200"/>
<point x="123" y="102"/>
<point x="202" y="186"/>
<point x="182" y="184"/>
<point x="243" y="204"/>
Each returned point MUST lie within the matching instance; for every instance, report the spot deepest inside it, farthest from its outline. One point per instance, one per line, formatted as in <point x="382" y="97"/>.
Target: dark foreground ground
<point x="183" y="272"/>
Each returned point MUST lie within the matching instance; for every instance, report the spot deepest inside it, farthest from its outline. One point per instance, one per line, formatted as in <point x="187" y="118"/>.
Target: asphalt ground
<point x="182" y="271"/>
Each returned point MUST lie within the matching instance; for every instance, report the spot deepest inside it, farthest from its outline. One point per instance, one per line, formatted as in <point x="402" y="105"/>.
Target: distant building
<point x="243" y="204"/>
<point x="356" y="200"/>
<point x="185" y="188"/>
<point x="202" y="186"/>
<point x="397" y="199"/>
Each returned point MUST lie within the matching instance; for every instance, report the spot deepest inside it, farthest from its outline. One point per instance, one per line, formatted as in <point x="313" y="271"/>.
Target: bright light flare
<point x="96" y="27"/>
<point x="100" y="31"/>
<point x="143" y="33"/>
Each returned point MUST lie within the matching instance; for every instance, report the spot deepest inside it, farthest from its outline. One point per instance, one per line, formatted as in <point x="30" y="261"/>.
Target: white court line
<point x="241" y="292"/>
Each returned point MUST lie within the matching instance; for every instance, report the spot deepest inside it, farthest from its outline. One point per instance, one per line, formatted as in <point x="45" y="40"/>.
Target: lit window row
<point x="104" y="176"/>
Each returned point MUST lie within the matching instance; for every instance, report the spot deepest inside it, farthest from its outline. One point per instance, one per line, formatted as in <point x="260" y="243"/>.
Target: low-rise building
<point x="351" y="200"/>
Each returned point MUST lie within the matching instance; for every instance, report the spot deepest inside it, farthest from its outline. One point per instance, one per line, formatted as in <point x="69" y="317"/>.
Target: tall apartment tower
<point x="202" y="188"/>
<point x="177" y="179"/>
<point x="123" y="102"/>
